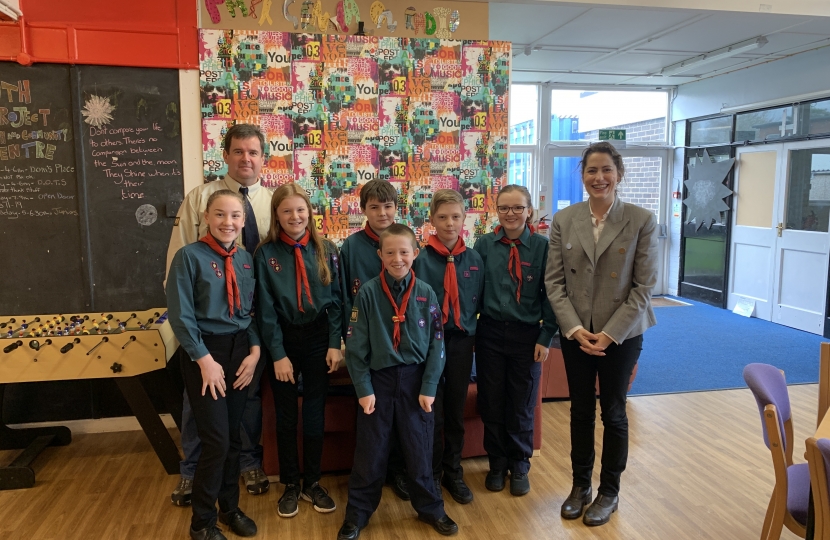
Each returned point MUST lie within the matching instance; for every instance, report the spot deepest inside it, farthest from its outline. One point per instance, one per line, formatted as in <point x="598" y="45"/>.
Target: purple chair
<point x="818" y="456"/>
<point x="791" y="494"/>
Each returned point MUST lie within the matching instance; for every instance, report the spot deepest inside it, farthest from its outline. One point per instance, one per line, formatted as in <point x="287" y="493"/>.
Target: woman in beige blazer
<point x="602" y="266"/>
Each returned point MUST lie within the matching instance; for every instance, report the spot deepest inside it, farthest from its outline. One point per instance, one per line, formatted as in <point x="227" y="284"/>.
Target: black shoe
<point x="349" y="531"/>
<point x="519" y="484"/>
<point x="443" y="525"/>
<point x="318" y="496"/>
<point x="458" y="490"/>
<point x="576" y="502"/>
<point x="495" y="480"/>
<point x="599" y="513"/>
<point x="238" y="522"/>
<point x="287" y="506"/>
<point x="400" y="486"/>
<point x="208" y="533"/>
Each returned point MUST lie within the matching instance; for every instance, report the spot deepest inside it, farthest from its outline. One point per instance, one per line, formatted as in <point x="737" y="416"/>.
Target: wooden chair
<point x="823" y="381"/>
<point x="790" y="496"/>
<point x="818" y="457"/>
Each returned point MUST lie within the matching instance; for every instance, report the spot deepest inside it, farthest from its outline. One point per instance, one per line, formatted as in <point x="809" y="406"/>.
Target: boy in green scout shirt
<point x="511" y="344"/>
<point x="456" y="274"/>
<point x="359" y="262"/>
<point x="359" y="259"/>
<point x="395" y="356"/>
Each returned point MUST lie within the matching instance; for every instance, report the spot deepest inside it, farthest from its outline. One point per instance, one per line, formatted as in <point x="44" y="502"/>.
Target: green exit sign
<point x="612" y="134"/>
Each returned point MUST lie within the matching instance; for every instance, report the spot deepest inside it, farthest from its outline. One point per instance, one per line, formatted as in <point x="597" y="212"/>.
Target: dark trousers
<point x="614" y="372"/>
<point x="396" y="407"/>
<point x="508" y="385"/>
<point x="217" y="421"/>
<point x="306" y="346"/>
<point x="449" y="405"/>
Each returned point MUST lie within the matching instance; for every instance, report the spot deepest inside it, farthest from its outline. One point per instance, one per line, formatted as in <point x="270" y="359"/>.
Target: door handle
<point x="780" y="228"/>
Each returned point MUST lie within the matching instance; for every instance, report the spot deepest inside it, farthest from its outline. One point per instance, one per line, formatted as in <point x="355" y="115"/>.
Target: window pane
<point x="524" y="102"/>
<point x="578" y="115"/>
<point x="808" y="190"/>
<point x="764" y="125"/>
<point x="520" y="170"/>
<point x="819" y="117"/>
<point x="712" y="131"/>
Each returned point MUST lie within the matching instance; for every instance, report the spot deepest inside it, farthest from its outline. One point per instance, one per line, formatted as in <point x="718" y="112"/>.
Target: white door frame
<point x="665" y="153"/>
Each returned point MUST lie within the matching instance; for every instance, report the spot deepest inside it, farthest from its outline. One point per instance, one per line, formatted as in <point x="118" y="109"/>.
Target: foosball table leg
<point x="19" y="474"/>
<point x="151" y="423"/>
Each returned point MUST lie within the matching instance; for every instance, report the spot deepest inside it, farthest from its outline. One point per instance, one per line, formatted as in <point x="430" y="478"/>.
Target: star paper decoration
<point x="706" y="190"/>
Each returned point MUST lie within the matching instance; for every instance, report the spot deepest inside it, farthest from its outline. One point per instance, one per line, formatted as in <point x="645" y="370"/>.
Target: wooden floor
<point x="698" y="468"/>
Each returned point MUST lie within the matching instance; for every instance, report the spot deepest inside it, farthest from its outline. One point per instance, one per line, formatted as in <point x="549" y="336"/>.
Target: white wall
<point x="803" y="73"/>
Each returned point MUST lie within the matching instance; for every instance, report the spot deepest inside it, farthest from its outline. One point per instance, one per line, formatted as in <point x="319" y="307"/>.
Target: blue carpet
<point x="700" y="347"/>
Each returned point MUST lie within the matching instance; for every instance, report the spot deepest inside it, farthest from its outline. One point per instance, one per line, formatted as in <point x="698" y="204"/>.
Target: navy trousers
<point x="614" y="372"/>
<point x="508" y="385"/>
<point x="396" y="407"/>
<point x="449" y="405"/>
<point x="306" y="346"/>
<point x="217" y="422"/>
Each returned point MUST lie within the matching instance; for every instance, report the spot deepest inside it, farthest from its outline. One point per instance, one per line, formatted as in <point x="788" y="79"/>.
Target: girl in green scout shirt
<point x="514" y="332"/>
<point x="455" y="273"/>
<point x="210" y="292"/>
<point x="299" y="316"/>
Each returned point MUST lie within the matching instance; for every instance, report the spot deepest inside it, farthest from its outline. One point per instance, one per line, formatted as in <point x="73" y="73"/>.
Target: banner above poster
<point x="379" y="18"/>
<point x="338" y="111"/>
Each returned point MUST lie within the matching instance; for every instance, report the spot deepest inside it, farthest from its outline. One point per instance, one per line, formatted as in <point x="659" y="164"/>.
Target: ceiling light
<point x="714" y="56"/>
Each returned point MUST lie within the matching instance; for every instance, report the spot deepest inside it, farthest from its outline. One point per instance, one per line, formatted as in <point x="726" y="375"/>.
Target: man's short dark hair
<point x="244" y="131"/>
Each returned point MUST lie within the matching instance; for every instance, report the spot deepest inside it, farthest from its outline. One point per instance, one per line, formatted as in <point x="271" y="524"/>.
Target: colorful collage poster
<point x="338" y="111"/>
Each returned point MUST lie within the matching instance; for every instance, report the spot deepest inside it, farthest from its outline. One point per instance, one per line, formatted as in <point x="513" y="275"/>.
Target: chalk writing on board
<point x="32" y="182"/>
<point x="124" y="155"/>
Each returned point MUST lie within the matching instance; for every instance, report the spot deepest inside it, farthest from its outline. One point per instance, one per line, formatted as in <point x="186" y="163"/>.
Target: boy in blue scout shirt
<point x="359" y="262"/>
<point x="210" y="293"/>
<point x="456" y="274"/>
<point x="395" y="355"/>
<point x="511" y="344"/>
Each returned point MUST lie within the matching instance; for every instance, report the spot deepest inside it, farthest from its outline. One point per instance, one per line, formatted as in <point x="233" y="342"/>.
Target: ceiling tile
<point x="721" y="29"/>
<point x="525" y="23"/>
<point x="608" y="27"/>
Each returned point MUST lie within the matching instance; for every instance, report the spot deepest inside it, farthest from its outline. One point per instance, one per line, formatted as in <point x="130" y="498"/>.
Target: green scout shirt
<point x="369" y="335"/>
<point x="197" y="297"/>
<point x="277" y="293"/>
<point x="469" y="270"/>
<point x="499" y="298"/>
<point x="359" y="262"/>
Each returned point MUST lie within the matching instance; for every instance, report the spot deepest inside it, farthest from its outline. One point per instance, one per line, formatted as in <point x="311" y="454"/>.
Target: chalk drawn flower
<point x="706" y="190"/>
<point x="97" y="111"/>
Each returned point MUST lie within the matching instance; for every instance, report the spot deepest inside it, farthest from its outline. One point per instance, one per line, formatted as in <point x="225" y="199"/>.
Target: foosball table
<point x="118" y="345"/>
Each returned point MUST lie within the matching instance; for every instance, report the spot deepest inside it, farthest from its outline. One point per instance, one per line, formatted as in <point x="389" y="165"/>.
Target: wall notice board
<point x="90" y="181"/>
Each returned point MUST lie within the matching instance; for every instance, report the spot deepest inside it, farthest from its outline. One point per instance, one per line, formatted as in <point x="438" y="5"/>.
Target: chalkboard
<point x="41" y="266"/>
<point x="129" y="148"/>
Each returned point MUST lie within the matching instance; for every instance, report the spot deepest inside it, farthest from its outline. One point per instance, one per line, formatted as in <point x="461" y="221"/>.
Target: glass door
<point x="644" y="184"/>
<point x="780" y="241"/>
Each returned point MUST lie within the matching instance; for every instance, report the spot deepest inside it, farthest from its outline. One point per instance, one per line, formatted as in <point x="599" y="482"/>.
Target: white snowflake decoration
<point x="97" y="111"/>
